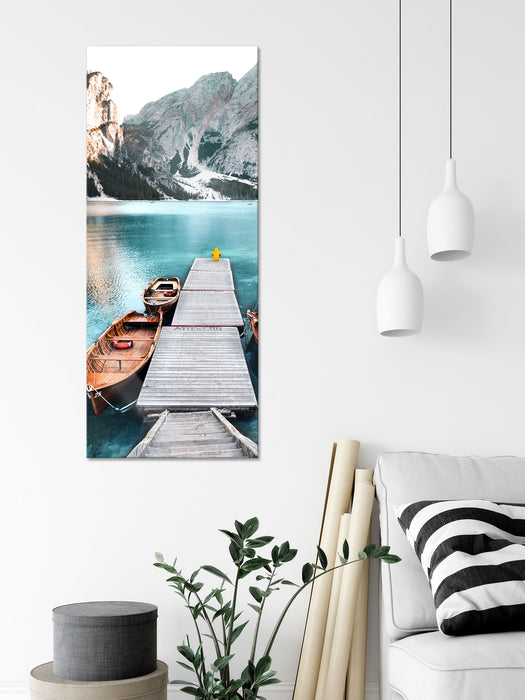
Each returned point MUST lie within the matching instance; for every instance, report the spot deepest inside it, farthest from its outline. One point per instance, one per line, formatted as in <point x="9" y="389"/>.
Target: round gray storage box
<point x="104" y="641"/>
<point x="45" y="685"/>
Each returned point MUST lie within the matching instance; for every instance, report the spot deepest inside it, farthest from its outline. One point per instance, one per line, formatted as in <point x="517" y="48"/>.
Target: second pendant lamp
<point x="450" y="223"/>
<point x="400" y="293"/>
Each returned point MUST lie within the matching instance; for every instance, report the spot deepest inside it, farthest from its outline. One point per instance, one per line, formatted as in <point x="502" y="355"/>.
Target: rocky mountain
<point x="233" y="132"/>
<point x="104" y="134"/>
<point x="195" y="143"/>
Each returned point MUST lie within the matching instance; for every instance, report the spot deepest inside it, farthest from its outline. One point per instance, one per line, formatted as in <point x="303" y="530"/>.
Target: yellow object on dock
<point x="216" y="254"/>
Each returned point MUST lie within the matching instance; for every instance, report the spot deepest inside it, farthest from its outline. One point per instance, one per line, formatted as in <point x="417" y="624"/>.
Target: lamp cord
<point x="400" y="118"/>
<point x="450" y="76"/>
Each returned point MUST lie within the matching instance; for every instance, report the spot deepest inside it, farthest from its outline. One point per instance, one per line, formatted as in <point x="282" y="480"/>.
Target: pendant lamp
<point x="450" y="222"/>
<point x="400" y="294"/>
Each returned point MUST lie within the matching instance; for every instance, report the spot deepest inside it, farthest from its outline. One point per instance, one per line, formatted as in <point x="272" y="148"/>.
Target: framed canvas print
<point x="172" y="251"/>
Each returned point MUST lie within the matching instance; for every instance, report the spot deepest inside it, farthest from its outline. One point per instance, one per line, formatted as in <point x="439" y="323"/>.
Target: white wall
<point x="74" y="529"/>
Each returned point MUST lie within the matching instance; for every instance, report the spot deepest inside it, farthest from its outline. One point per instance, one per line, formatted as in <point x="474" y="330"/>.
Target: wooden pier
<point x="204" y="434"/>
<point x="199" y="361"/>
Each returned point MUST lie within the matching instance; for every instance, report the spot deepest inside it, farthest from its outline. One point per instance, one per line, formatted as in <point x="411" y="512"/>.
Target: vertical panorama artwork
<point x="172" y="264"/>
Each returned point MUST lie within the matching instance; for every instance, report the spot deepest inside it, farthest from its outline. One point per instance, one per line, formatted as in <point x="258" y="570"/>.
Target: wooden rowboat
<point x="254" y="322"/>
<point x="161" y="293"/>
<point x="118" y="356"/>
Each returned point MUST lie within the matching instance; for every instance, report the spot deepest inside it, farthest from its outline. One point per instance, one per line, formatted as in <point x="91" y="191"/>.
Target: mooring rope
<point x="97" y="394"/>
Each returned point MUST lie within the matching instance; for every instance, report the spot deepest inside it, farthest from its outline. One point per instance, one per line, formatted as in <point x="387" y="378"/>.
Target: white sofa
<point x="418" y="662"/>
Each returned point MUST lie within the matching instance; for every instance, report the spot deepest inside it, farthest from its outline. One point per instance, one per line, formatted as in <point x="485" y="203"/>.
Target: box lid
<point x="105" y="613"/>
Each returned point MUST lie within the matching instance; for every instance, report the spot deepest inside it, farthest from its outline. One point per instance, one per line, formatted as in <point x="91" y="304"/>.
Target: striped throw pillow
<point x="473" y="554"/>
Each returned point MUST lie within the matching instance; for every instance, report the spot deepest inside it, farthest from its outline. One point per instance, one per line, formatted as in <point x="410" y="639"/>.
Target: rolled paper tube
<point x="356" y="679"/>
<point x="364" y="475"/>
<point x="342" y="640"/>
<point x="337" y="503"/>
<point x="332" y="611"/>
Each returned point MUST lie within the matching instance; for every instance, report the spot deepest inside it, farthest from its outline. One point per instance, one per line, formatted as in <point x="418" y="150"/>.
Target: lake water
<point x="130" y="243"/>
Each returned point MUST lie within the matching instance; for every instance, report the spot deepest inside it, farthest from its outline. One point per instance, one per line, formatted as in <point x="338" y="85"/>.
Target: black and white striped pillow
<point x="473" y="554"/>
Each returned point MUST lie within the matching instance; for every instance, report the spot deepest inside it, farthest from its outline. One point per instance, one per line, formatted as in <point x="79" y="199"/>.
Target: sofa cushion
<point x="478" y="667"/>
<point x="402" y="477"/>
<point x="473" y="554"/>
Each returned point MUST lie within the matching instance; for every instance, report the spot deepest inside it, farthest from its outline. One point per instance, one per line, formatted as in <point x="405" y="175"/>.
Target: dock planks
<point x="206" y="308"/>
<point x="210" y="274"/>
<point x="203" y="434"/>
<point x="195" y="368"/>
<point x="199" y="361"/>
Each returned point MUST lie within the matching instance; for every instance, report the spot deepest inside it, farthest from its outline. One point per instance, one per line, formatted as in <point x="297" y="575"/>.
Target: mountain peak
<point x="103" y="131"/>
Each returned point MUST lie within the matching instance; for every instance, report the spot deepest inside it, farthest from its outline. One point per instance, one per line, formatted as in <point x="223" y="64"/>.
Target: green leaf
<point x="234" y="537"/>
<point x="380" y="551"/>
<point x="250" y="527"/>
<point x="217" y="572"/>
<point x="193" y="587"/>
<point x="275" y="555"/>
<point x="237" y="631"/>
<point x="181" y="682"/>
<point x="196" y="692"/>
<point x="256" y="593"/>
<point x="186" y="652"/>
<point x="222" y="661"/>
<point x="342" y="560"/>
<point x="346" y="549"/>
<point x="322" y="558"/>
<point x="159" y="557"/>
<point x="263" y="666"/>
<point x="270" y="681"/>
<point x="257" y="608"/>
<point x="289" y="555"/>
<point x="185" y="666"/>
<point x="235" y="553"/>
<point x="260" y="541"/>
<point x="369" y="549"/>
<point x="362" y="556"/>
<point x="222" y="611"/>
<point x="253" y="565"/>
<point x="285" y="582"/>
<point x="307" y="572"/>
<point x="248" y="673"/>
<point x="240" y="529"/>
<point x="166" y="567"/>
<point x="285" y="547"/>
<point x="234" y="686"/>
<point x="390" y="558"/>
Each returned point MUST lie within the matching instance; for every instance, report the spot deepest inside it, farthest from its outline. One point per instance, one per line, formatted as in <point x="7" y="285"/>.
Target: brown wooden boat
<point x="254" y="322"/>
<point x="121" y="352"/>
<point x="161" y="293"/>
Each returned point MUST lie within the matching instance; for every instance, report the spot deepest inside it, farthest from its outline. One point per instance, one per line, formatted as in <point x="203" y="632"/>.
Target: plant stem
<point x="256" y="633"/>
<point x="232" y="620"/>
<point x="287" y="606"/>
<point x="199" y="676"/>
<point x="205" y="615"/>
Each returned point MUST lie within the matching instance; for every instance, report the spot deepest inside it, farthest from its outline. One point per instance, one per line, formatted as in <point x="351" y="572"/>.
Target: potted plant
<point x="216" y="616"/>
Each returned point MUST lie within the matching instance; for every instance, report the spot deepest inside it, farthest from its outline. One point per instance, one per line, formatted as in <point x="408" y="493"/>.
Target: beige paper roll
<point x="337" y="503"/>
<point x="356" y="678"/>
<point x="332" y="611"/>
<point x="342" y="639"/>
<point x="364" y="475"/>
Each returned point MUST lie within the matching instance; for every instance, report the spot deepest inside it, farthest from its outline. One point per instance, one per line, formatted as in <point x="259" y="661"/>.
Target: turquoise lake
<point x="130" y="243"/>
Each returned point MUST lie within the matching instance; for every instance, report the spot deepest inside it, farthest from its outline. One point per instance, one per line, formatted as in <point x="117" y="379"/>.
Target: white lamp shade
<point x="399" y="298"/>
<point x="450" y="223"/>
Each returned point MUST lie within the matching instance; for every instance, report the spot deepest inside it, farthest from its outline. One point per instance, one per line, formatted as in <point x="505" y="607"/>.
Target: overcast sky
<point x="141" y="74"/>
